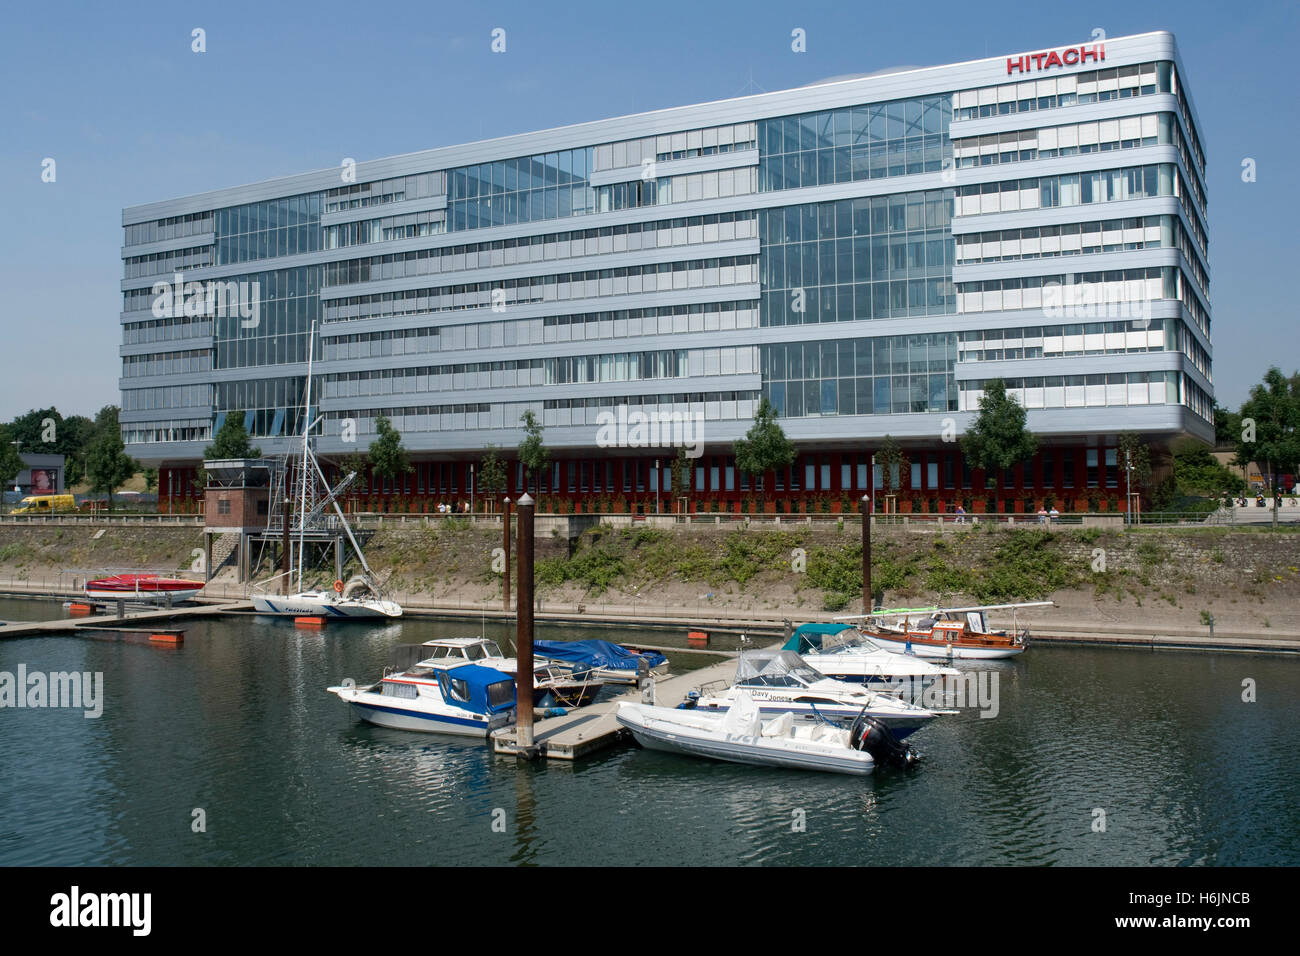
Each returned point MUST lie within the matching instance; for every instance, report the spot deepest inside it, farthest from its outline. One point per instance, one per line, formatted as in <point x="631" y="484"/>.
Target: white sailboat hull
<point x="323" y="604"/>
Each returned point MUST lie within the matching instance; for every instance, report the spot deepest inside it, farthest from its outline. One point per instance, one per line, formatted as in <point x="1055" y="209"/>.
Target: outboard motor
<point x="870" y="734"/>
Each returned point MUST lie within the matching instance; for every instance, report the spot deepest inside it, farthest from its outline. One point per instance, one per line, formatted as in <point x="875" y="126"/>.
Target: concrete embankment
<point x="1148" y="587"/>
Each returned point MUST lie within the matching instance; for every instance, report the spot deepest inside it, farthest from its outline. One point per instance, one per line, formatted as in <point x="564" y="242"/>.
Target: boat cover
<point x="775" y="668"/>
<point x="471" y="687"/>
<point x="593" y="654"/>
<point x="809" y="637"/>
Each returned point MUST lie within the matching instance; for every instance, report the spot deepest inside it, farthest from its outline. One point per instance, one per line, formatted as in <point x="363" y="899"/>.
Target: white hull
<point x="901" y="718"/>
<point x="420" y="714"/>
<point x="154" y="597"/>
<point x="706" y="735"/>
<point x="323" y="604"/>
<point x="878" y="667"/>
<point x="898" y="645"/>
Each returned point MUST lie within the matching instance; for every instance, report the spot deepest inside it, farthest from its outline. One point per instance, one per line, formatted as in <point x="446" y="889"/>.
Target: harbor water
<point x="1097" y="756"/>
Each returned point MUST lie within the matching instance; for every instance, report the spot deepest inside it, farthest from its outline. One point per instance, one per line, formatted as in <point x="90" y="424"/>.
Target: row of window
<point x="166" y="363"/>
<point x="1069" y="89"/>
<point x="1057" y="341"/>
<point x="163" y="230"/>
<point x="698" y="142"/>
<point x="1102" y="136"/>
<point x="633" y="237"/>
<point x="1117" y="293"/>
<point x="633" y="280"/>
<point x="382" y="192"/>
<point x="412" y="225"/>
<point x="165" y="330"/>
<point x="621" y="323"/>
<point x="164" y="263"/>
<point x="1083" y="391"/>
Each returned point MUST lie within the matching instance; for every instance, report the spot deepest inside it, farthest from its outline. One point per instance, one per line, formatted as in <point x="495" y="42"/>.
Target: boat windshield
<point x="474" y="652"/>
<point x="775" y="669"/>
<point x="490" y="649"/>
<point x="847" y="641"/>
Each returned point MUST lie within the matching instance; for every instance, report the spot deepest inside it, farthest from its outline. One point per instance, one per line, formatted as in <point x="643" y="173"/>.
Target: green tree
<point x="108" y="466"/>
<point x="10" y="461"/>
<point x="151" y="479"/>
<point x="892" y="461"/>
<point x="1197" y="473"/>
<point x="1270" y="426"/>
<point x="1227" y="427"/>
<point x="532" y="452"/>
<point x="356" y="461"/>
<point x="997" y="439"/>
<point x="765" y="446"/>
<point x="680" y="471"/>
<point x="1135" y="453"/>
<point x="491" y="473"/>
<point x="231" y="440"/>
<point x="387" y="456"/>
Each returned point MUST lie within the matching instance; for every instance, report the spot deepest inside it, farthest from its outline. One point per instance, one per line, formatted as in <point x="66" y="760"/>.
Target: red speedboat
<point x="142" y="587"/>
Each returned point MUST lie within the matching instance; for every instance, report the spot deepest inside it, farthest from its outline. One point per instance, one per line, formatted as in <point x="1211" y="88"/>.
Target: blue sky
<point x="114" y="94"/>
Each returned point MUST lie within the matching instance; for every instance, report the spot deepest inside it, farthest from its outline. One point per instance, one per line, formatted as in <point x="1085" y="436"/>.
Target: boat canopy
<point x="812" y="637"/>
<point x="482" y="690"/>
<point x="775" y="669"/>
<point x="593" y="654"/>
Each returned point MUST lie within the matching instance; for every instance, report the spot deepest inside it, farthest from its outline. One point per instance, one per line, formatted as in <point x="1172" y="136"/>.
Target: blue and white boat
<point x="451" y="698"/>
<point x="843" y="652"/>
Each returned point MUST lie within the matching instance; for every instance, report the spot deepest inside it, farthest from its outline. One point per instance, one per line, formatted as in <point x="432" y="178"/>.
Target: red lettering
<point x="1071" y="57"/>
<point x="1053" y="59"/>
<point x="1015" y="65"/>
<point x="1038" y="60"/>
<point x="1085" y="53"/>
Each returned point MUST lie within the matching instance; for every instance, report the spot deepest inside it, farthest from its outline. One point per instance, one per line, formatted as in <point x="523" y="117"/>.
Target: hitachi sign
<point x="1070" y="56"/>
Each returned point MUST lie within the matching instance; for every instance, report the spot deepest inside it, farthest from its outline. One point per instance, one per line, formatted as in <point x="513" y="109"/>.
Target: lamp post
<point x="471" y="487"/>
<point x="659" y="480"/>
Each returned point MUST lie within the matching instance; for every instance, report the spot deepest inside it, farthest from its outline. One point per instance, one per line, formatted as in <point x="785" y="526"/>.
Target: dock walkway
<point x="134" y="621"/>
<point x="584" y="730"/>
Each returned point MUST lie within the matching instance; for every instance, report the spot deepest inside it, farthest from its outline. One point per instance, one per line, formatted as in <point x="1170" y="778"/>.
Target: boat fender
<point x="873" y="736"/>
<point x="691" y="701"/>
<point x="554" y="712"/>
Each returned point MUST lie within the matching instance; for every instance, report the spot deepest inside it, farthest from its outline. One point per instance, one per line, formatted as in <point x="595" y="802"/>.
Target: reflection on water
<point x="237" y="722"/>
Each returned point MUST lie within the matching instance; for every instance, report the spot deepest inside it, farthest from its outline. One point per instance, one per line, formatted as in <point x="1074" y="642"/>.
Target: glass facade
<point x="677" y="248"/>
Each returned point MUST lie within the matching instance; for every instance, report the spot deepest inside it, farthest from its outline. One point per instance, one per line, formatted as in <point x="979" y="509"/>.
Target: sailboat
<point x="360" y="597"/>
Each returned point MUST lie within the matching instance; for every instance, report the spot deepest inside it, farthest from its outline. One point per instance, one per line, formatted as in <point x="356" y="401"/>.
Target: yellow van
<point x="45" y="504"/>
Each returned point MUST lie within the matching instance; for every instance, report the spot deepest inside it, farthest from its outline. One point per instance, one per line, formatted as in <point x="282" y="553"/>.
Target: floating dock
<point x="585" y="730"/>
<point x="134" y="621"/>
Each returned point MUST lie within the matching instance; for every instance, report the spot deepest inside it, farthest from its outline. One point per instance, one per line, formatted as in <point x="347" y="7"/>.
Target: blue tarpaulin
<point x="592" y="654"/>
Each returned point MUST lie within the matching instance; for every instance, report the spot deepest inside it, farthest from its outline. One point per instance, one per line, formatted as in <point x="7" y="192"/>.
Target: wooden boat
<point x="955" y="632"/>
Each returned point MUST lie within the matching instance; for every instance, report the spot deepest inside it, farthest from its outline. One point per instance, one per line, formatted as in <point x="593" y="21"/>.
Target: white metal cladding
<point x="1120" y="51"/>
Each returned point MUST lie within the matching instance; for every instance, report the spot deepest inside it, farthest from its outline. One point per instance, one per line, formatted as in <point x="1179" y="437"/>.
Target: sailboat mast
<point x="306" y="451"/>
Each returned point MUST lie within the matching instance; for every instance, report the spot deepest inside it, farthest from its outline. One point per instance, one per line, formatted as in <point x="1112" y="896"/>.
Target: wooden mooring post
<point x="525" y="748"/>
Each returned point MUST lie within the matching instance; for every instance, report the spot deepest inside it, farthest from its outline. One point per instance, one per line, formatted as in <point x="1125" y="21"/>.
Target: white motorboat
<point x="842" y="652"/>
<point x="572" y="691"/>
<point x="782" y="681"/>
<point x="455" y="698"/>
<point x="740" y="735"/>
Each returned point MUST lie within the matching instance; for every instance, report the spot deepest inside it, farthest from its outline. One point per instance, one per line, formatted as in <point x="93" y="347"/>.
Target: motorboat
<point x="142" y="587"/>
<point x="456" y="698"/>
<point x="565" y="689"/>
<point x="947" y="633"/>
<point x="782" y="681"/>
<point x="606" y="661"/>
<point x="740" y="735"/>
<point x="842" y="652"/>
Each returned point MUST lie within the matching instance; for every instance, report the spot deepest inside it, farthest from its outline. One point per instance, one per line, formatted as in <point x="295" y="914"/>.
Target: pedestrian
<point x="1053" y="514"/>
<point x="1042" y="515"/>
<point x="961" y="515"/>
